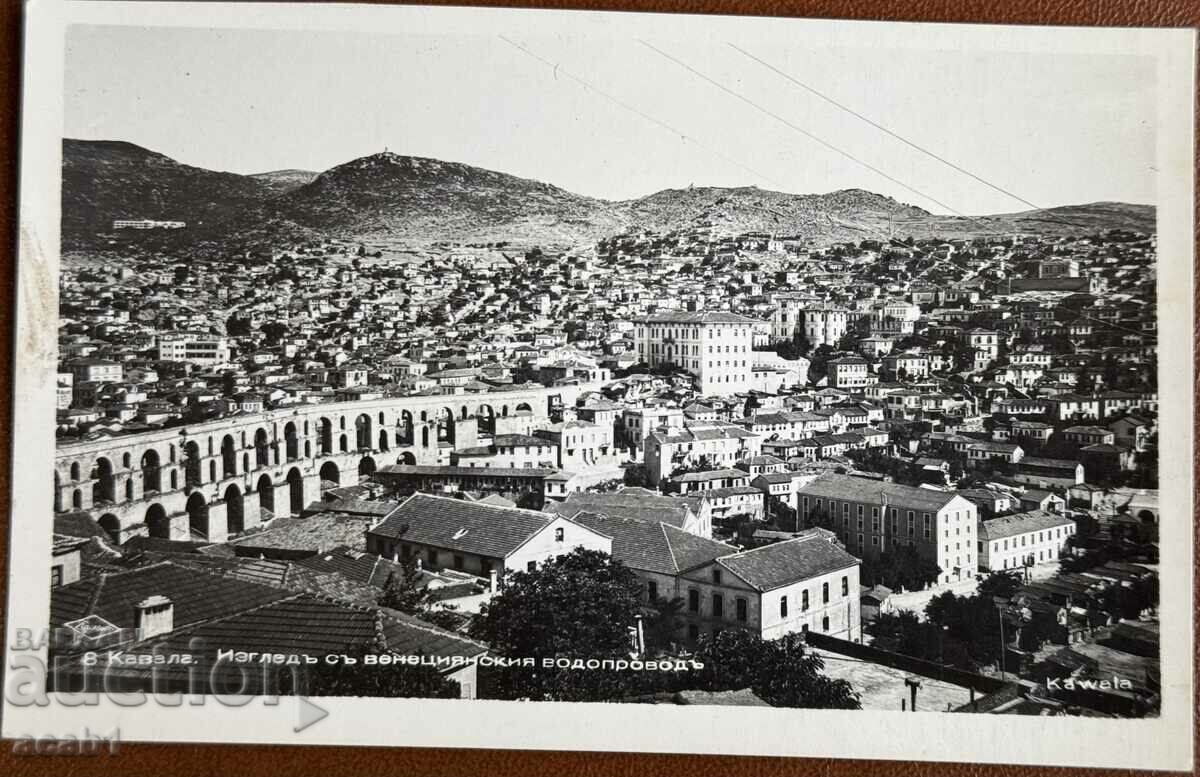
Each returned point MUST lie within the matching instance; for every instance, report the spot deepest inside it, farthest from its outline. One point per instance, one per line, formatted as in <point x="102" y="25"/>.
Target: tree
<point x="404" y="591"/>
<point x="236" y="326"/>
<point x="780" y="671"/>
<point x="903" y="568"/>
<point x="661" y="624"/>
<point x="274" y="331"/>
<point x="1002" y="584"/>
<point x="1083" y="378"/>
<point x="580" y="604"/>
<point x="818" y="361"/>
<point x="1112" y="372"/>
<point x="971" y="621"/>
<point x="576" y="608"/>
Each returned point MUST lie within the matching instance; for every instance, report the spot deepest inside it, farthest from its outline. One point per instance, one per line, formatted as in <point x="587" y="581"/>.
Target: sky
<point x="1051" y="129"/>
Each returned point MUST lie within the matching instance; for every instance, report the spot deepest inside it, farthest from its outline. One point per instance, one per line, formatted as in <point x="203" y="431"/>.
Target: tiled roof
<point x="196" y="596"/>
<point x="316" y="533"/>
<point x="782" y="563"/>
<point x="278" y="573"/>
<point x="832" y="486"/>
<point x="65" y="544"/>
<point x="700" y="317"/>
<point x="307" y="624"/>
<point x="653" y="547"/>
<point x="367" y="507"/>
<point x="716" y="474"/>
<point x="1021" y="523"/>
<point x="457" y="524"/>
<point x="627" y="503"/>
<point x="78" y="525"/>
<point x="512" y="440"/>
<point x="433" y="469"/>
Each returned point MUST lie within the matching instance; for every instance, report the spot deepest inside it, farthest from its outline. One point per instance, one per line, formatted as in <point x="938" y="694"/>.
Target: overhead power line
<point x="896" y="135"/>
<point x="811" y="136"/>
<point x="560" y="71"/>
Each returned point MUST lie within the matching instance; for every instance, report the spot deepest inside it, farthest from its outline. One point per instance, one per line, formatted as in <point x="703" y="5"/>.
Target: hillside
<point x="850" y="214"/>
<point x="107" y="180"/>
<point x="283" y="181"/>
<point x="392" y="197"/>
<point x="388" y="195"/>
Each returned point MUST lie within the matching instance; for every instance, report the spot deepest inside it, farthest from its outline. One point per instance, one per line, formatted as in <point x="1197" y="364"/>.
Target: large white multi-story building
<point x="850" y="372"/>
<point x="986" y="344"/>
<point x="1012" y="541"/>
<point x="197" y="348"/>
<point x="825" y="324"/>
<point x="716" y="443"/>
<point x="714" y="346"/>
<point x="874" y="516"/>
<point x="788" y="316"/>
<point x="894" y="317"/>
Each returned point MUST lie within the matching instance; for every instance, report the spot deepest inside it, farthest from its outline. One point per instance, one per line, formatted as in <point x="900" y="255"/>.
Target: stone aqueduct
<point x="210" y="480"/>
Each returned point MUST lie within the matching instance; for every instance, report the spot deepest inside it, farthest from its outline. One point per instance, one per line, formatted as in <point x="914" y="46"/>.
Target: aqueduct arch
<point x="204" y="478"/>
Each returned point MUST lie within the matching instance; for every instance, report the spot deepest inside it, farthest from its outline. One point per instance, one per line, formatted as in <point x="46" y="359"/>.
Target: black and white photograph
<point x="725" y="370"/>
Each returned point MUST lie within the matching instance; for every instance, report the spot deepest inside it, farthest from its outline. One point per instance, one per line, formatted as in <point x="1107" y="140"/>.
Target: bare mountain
<point x="283" y="181"/>
<point x="849" y="214"/>
<point x="389" y="196"/>
<point x="106" y="180"/>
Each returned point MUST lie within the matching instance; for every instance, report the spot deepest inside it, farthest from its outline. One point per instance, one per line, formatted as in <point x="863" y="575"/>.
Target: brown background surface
<point x="179" y="760"/>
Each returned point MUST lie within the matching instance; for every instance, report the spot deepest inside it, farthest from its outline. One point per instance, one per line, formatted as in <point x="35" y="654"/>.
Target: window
<point x="693" y="600"/>
<point x="485" y="566"/>
<point x="716" y="577"/>
<point x="718" y="606"/>
<point x="56" y="575"/>
<point x="845" y="585"/>
<point x="531" y="566"/>
<point x="652" y="591"/>
<point x="740" y="609"/>
<point x="804" y="601"/>
<point x="558" y="534"/>
<point x="783" y="606"/>
<point x="433" y="555"/>
<point x="825" y="623"/>
<point x="458" y="562"/>
<point x="825" y="590"/>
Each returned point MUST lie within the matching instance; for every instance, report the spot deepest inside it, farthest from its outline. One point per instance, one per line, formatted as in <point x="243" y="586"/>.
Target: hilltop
<point x="389" y="195"/>
<point x="283" y="181"/>
<point x="106" y="180"/>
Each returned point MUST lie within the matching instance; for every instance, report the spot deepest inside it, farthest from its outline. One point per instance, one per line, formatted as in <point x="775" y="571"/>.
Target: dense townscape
<point x="885" y="473"/>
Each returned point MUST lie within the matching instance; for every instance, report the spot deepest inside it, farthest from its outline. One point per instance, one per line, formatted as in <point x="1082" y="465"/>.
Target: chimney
<point x="153" y="616"/>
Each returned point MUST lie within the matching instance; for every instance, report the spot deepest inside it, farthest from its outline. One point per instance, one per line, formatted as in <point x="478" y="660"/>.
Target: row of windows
<point x="1049" y="534"/>
<point x="692" y="334"/>
<point x="783" y="600"/>
<point x="1014" y="563"/>
<point x="717" y="604"/>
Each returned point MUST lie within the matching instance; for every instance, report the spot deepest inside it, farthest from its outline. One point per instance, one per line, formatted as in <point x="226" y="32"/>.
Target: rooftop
<point x="456" y="524"/>
<point x="833" y="486"/>
<point x="1021" y="523"/>
<point x="781" y="563"/>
